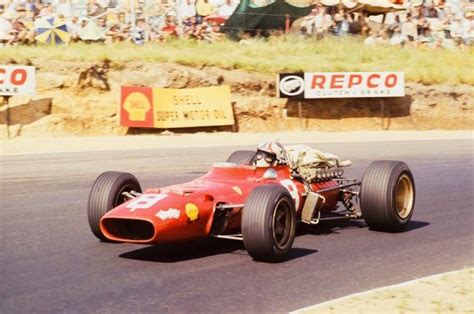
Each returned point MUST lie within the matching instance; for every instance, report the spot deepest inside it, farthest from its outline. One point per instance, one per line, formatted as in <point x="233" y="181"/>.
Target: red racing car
<point x="241" y="200"/>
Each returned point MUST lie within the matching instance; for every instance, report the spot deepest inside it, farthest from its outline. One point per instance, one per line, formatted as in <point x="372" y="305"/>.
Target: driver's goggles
<point x="267" y="158"/>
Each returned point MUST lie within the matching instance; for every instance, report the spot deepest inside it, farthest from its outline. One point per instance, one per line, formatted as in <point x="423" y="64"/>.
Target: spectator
<point x="363" y="24"/>
<point x="46" y="11"/>
<point x="140" y="35"/>
<point x="396" y="24"/>
<point x="25" y="35"/>
<point x="73" y="28"/>
<point x="340" y="25"/>
<point x="29" y="5"/>
<point x="93" y="9"/>
<point x="204" y="8"/>
<point x="436" y="28"/>
<point x="319" y="23"/>
<point x="409" y="31"/>
<point x="467" y="33"/>
<point x="227" y="8"/>
<point x="169" y="29"/>
<point x="212" y="33"/>
<point x="7" y="33"/>
<point x="63" y="7"/>
<point x="187" y="9"/>
<point x="397" y="39"/>
<point x="355" y="27"/>
<point x="103" y="3"/>
<point x="308" y="21"/>
<point x="422" y="26"/>
<point x="371" y="39"/>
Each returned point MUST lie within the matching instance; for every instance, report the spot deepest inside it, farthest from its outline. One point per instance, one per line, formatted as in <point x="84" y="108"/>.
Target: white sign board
<point x="341" y="85"/>
<point x="17" y="80"/>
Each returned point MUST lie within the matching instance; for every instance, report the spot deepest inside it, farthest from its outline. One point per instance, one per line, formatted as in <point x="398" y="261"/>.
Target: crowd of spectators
<point x="428" y="23"/>
<point x="447" y="24"/>
<point x="111" y="21"/>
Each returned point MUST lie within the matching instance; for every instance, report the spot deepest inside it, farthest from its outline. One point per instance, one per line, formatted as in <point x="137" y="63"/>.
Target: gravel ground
<point x="451" y="292"/>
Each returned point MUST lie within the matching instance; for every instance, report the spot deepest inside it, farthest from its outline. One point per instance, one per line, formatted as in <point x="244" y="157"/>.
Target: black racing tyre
<point x="269" y="223"/>
<point x="242" y="157"/>
<point x="387" y="195"/>
<point x="105" y="194"/>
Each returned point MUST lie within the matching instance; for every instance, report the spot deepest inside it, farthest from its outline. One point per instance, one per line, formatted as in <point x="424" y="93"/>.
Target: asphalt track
<point x="51" y="262"/>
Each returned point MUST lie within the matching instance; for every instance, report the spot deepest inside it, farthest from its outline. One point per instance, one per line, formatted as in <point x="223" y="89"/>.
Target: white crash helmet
<point x="272" y="151"/>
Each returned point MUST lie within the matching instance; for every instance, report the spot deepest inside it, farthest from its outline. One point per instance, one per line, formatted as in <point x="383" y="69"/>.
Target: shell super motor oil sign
<point x="175" y="108"/>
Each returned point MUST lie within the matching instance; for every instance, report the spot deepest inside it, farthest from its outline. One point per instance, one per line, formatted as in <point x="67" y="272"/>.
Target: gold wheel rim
<point x="404" y="196"/>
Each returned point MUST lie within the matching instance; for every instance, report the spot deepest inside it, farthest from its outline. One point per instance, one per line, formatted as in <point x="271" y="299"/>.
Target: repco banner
<point x="175" y="108"/>
<point x="340" y="85"/>
<point x="17" y="80"/>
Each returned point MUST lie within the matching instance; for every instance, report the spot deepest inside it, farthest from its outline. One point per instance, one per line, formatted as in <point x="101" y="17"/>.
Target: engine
<point x="321" y="174"/>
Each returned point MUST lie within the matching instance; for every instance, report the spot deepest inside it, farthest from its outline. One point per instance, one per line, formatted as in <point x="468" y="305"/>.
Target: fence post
<point x="6" y="100"/>
<point x="383" y="127"/>
<point x="300" y="114"/>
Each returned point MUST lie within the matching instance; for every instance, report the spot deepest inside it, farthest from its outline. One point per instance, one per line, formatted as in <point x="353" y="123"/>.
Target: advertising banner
<point x="17" y="80"/>
<point x="340" y="85"/>
<point x="175" y="108"/>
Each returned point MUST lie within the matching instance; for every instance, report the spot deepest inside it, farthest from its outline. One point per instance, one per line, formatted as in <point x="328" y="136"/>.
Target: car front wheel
<point x="269" y="223"/>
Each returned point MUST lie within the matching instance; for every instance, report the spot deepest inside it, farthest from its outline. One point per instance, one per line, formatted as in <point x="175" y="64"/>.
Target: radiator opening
<point x="129" y="229"/>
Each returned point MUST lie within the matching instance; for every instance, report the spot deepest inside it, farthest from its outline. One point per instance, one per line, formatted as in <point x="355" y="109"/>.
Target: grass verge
<point x="279" y="54"/>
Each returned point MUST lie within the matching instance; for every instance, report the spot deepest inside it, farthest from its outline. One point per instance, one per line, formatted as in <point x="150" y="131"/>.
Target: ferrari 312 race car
<point x="260" y="205"/>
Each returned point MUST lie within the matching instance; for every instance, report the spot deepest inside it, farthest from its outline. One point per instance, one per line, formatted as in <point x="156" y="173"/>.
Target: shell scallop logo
<point x="192" y="211"/>
<point x="137" y="105"/>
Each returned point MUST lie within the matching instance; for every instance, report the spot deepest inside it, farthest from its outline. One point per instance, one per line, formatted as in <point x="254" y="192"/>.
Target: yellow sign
<point x="206" y="106"/>
<point x="192" y="211"/>
<point x="175" y="108"/>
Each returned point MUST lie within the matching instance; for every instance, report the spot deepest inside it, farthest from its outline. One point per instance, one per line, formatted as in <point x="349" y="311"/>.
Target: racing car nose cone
<point x="125" y="229"/>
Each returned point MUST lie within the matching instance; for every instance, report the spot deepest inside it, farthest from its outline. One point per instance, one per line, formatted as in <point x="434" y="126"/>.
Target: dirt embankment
<point x="65" y="106"/>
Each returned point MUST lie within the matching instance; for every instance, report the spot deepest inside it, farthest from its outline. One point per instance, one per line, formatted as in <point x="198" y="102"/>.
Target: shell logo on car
<point x="192" y="211"/>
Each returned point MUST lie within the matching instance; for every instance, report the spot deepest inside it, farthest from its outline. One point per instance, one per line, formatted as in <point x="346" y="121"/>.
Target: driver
<point x="269" y="154"/>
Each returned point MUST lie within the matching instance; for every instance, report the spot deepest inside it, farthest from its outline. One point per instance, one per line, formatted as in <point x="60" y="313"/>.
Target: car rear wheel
<point x="106" y="194"/>
<point x="269" y="223"/>
<point x="242" y="157"/>
<point x="387" y="195"/>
